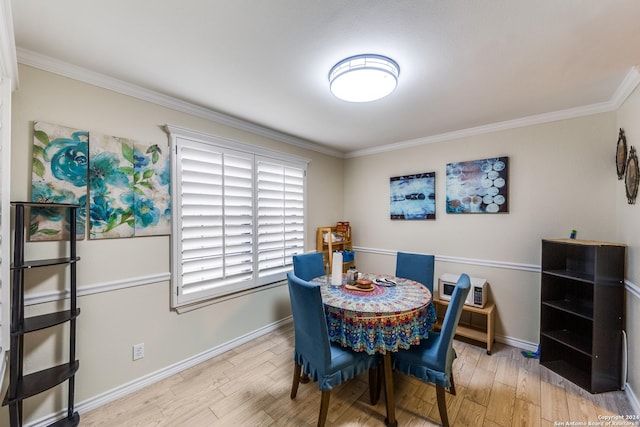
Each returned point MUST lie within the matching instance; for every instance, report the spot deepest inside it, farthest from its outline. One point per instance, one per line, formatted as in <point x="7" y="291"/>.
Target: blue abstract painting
<point x="413" y="196"/>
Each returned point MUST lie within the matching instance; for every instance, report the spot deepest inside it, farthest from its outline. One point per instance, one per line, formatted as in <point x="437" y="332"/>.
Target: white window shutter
<point x="280" y="217"/>
<point x="214" y="236"/>
<point x="199" y="240"/>
<point x="238" y="217"/>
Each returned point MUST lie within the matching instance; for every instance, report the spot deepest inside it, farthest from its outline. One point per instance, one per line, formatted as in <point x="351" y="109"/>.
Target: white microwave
<point x="477" y="296"/>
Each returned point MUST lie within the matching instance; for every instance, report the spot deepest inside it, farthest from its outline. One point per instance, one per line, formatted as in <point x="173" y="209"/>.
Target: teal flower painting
<point x="129" y="188"/>
<point x="125" y="184"/>
<point x="59" y="175"/>
<point x="151" y="184"/>
<point x="111" y="187"/>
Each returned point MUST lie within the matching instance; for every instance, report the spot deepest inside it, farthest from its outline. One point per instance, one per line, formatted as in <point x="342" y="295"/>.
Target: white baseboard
<point x="139" y="383"/>
<point x="142" y="382"/>
<point x="515" y="342"/>
<point x="633" y="400"/>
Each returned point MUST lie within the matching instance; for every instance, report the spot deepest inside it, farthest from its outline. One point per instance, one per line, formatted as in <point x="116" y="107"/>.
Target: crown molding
<point x="46" y="63"/>
<point x="626" y="87"/>
<point x="629" y="83"/>
<point x="494" y="127"/>
<point x="8" y="61"/>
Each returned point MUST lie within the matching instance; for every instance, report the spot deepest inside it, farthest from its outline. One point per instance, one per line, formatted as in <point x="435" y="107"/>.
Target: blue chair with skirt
<point x="432" y="360"/>
<point x="308" y="266"/>
<point x="326" y="363"/>
<point x="416" y="267"/>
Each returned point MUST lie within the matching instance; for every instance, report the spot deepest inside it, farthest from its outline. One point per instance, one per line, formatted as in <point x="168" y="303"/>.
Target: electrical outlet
<point x="138" y="351"/>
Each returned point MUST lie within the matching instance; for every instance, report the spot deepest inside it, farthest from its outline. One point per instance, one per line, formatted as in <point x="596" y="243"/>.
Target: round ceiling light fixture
<point x="364" y="78"/>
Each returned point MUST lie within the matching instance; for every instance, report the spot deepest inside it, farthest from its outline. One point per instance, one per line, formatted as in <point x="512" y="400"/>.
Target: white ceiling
<point x="463" y="64"/>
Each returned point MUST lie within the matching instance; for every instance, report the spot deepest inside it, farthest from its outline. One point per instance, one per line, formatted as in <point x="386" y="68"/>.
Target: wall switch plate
<point x="138" y="351"/>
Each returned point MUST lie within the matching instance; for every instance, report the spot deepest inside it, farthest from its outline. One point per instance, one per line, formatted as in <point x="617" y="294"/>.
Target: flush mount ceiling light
<point x="364" y="78"/>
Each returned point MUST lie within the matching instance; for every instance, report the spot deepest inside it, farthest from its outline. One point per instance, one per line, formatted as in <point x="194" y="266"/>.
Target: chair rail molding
<point x="533" y="268"/>
<point x="115" y="285"/>
<point x="632" y="288"/>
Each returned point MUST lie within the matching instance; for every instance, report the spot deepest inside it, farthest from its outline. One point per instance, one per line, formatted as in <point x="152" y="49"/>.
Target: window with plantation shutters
<point x="280" y="216"/>
<point x="238" y="216"/>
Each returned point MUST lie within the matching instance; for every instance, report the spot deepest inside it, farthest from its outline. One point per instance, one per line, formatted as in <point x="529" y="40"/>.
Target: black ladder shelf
<point x="23" y="386"/>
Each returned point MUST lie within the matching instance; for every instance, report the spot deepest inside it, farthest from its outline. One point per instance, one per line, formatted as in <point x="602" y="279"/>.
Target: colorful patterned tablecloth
<point x="388" y="318"/>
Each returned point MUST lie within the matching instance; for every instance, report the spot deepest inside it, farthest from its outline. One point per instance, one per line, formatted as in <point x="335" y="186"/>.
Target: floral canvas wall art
<point x="151" y="183"/>
<point x="129" y="188"/>
<point x="111" y="196"/>
<point x="59" y="175"/>
<point x="125" y="183"/>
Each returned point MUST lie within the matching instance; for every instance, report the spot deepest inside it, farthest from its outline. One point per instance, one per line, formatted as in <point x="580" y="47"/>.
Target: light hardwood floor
<point x="250" y="386"/>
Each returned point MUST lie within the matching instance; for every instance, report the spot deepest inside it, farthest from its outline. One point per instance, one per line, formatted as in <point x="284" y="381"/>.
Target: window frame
<point x="181" y="138"/>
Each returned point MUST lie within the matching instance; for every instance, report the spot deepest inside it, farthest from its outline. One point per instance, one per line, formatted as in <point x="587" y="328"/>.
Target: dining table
<point x="392" y="314"/>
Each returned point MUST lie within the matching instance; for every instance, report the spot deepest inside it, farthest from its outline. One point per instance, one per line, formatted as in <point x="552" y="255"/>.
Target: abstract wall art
<point x="478" y="186"/>
<point x="413" y="196"/>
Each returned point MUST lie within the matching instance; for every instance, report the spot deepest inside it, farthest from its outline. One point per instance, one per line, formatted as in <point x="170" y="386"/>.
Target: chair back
<point x="418" y="267"/>
<point x="308" y="266"/>
<point x="311" y="335"/>
<point x="444" y="352"/>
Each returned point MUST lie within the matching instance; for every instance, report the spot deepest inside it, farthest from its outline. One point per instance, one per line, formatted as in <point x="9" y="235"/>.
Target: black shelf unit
<point x="581" y="313"/>
<point x="23" y="386"/>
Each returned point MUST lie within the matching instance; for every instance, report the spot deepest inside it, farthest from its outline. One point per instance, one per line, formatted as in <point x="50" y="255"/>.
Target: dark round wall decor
<point x="621" y="153"/>
<point x="632" y="176"/>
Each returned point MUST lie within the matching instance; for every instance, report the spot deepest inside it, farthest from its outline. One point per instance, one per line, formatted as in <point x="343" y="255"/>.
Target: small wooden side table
<point x="468" y="330"/>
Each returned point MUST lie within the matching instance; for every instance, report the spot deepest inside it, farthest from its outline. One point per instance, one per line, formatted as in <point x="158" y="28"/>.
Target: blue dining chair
<point x="432" y="360"/>
<point x="327" y="363"/>
<point x="308" y="266"/>
<point x="416" y="267"/>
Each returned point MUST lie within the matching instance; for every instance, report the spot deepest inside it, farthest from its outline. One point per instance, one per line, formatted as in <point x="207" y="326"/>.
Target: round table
<point x="388" y="318"/>
<point x="384" y="320"/>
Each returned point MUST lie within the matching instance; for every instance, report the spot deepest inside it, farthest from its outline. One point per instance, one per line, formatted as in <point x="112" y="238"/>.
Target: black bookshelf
<point x="23" y="386"/>
<point x="581" y="313"/>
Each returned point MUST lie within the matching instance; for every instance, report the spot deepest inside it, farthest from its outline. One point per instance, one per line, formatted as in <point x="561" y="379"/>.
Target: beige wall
<point x="111" y="322"/>
<point x="561" y="178"/>
<point x="628" y="231"/>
